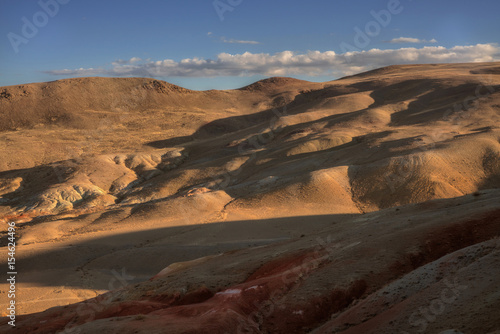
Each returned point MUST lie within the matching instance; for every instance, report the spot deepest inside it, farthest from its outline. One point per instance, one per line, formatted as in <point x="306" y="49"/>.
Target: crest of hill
<point x="82" y="102"/>
<point x="274" y="83"/>
<point x="88" y="83"/>
<point x="421" y="69"/>
<point x="60" y="102"/>
<point x="74" y="102"/>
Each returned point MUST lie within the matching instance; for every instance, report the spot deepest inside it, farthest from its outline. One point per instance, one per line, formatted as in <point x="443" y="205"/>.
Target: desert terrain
<point x="368" y="204"/>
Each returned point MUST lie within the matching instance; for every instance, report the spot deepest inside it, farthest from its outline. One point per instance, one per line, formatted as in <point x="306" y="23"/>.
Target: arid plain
<point x="368" y="204"/>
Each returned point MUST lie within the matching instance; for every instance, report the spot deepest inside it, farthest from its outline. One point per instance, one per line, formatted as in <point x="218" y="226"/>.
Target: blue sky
<point x="204" y="44"/>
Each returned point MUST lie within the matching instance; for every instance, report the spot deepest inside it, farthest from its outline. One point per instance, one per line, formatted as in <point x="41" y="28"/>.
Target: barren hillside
<point x="350" y="206"/>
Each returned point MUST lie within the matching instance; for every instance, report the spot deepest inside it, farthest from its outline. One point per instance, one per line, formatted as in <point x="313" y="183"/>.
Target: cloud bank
<point x="401" y="40"/>
<point x="312" y="63"/>
<point x="237" y="41"/>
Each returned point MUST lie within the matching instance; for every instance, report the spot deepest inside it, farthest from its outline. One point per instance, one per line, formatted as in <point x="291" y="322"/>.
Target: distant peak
<point x="272" y="82"/>
<point x="159" y="86"/>
<point x="163" y="86"/>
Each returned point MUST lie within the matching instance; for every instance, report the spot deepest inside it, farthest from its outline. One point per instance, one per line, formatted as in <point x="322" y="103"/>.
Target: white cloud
<point x="401" y="40"/>
<point x="231" y="40"/>
<point x="237" y="41"/>
<point x="79" y="72"/>
<point x="284" y="63"/>
<point x="121" y="62"/>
